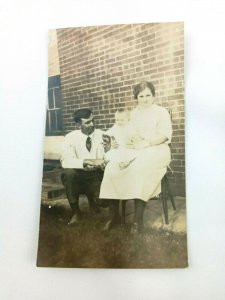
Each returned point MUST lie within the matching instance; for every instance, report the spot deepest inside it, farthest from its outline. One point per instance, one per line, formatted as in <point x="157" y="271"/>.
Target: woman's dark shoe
<point x="136" y="229"/>
<point x="103" y="203"/>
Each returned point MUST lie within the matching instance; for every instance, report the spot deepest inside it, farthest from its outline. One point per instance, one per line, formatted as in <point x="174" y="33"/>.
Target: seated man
<point x="82" y="162"/>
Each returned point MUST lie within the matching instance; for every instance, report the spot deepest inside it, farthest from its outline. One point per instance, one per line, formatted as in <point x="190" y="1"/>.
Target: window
<point x="54" y="107"/>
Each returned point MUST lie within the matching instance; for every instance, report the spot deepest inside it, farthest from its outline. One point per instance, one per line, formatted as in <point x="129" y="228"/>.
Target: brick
<point x="127" y="39"/>
<point x="179" y="53"/>
<point x="148" y="38"/>
<point x="148" y="49"/>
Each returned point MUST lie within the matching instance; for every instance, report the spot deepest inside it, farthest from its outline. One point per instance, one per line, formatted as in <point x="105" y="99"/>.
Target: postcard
<point x="113" y="185"/>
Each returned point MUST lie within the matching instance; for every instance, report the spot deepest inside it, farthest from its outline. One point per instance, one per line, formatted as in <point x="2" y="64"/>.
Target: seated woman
<point x="141" y="180"/>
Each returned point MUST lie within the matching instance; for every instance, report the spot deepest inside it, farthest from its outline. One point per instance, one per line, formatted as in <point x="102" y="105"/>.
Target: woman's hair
<point x="142" y="86"/>
<point x="83" y="113"/>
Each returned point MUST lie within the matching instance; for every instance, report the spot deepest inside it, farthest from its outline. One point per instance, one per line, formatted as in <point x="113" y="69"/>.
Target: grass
<point x="87" y="246"/>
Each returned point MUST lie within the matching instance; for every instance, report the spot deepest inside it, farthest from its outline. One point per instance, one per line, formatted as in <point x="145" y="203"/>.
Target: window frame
<point x="53" y="127"/>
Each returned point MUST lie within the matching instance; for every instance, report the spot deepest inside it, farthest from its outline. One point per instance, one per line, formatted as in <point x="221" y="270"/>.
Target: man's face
<point x="87" y="125"/>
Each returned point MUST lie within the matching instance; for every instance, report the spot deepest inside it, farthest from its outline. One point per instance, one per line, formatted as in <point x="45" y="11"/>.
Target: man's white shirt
<point x="74" y="148"/>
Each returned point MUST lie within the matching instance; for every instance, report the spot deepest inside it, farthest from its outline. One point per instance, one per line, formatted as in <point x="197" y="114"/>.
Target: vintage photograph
<point x="113" y="185"/>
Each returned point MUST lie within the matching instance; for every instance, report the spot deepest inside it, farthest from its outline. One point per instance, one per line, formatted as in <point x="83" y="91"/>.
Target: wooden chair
<point x="164" y="196"/>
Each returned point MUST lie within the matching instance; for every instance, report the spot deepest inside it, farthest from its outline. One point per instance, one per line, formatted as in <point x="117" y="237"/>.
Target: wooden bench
<point x="52" y="187"/>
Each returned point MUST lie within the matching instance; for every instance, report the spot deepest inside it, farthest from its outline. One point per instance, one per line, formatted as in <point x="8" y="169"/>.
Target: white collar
<point x="85" y="135"/>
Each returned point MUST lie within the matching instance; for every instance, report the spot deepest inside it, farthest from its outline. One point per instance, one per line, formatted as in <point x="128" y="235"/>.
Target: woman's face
<point x="145" y="98"/>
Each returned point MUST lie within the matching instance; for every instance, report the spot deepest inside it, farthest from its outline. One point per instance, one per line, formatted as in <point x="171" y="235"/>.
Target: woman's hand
<point x="142" y="144"/>
<point x="133" y="142"/>
<point x="139" y="143"/>
<point x="145" y="143"/>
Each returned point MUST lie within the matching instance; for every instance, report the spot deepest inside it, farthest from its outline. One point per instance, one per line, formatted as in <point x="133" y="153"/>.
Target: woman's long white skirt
<point x="141" y="179"/>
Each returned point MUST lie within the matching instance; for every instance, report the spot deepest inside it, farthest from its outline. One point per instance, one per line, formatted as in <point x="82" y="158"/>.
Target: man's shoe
<point x="95" y="209"/>
<point x="111" y="224"/>
<point x="74" y="220"/>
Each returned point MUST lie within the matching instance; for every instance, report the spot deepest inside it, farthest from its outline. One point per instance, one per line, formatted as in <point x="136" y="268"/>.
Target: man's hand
<point x="93" y="164"/>
<point x="106" y="141"/>
<point x="114" y="144"/>
<point x="109" y="142"/>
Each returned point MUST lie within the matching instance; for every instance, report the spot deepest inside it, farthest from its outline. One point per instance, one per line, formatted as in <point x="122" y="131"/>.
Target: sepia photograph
<point x="113" y="184"/>
<point x="112" y="153"/>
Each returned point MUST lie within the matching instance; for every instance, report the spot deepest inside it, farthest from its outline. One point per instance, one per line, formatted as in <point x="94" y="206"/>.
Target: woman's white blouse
<point x="151" y="121"/>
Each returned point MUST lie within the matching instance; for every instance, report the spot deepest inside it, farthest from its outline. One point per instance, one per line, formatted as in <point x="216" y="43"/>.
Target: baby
<point x="123" y="135"/>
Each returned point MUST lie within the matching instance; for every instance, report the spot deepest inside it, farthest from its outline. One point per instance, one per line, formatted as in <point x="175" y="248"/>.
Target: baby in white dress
<point x="124" y="135"/>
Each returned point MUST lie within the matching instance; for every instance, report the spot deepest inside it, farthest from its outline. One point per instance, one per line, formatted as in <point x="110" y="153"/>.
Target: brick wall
<point x="100" y="65"/>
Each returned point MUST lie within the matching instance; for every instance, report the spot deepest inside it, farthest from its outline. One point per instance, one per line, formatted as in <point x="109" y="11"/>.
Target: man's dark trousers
<point x="78" y="181"/>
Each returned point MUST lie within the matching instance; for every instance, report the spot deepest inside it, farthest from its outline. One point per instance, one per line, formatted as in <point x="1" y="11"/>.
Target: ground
<point x="87" y="246"/>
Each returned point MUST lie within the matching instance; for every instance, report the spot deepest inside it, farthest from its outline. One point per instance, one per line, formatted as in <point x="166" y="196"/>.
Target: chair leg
<point x="165" y="208"/>
<point x="169" y="191"/>
<point x="164" y="198"/>
<point x="123" y="214"/>
<point x="172" y="201"/>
